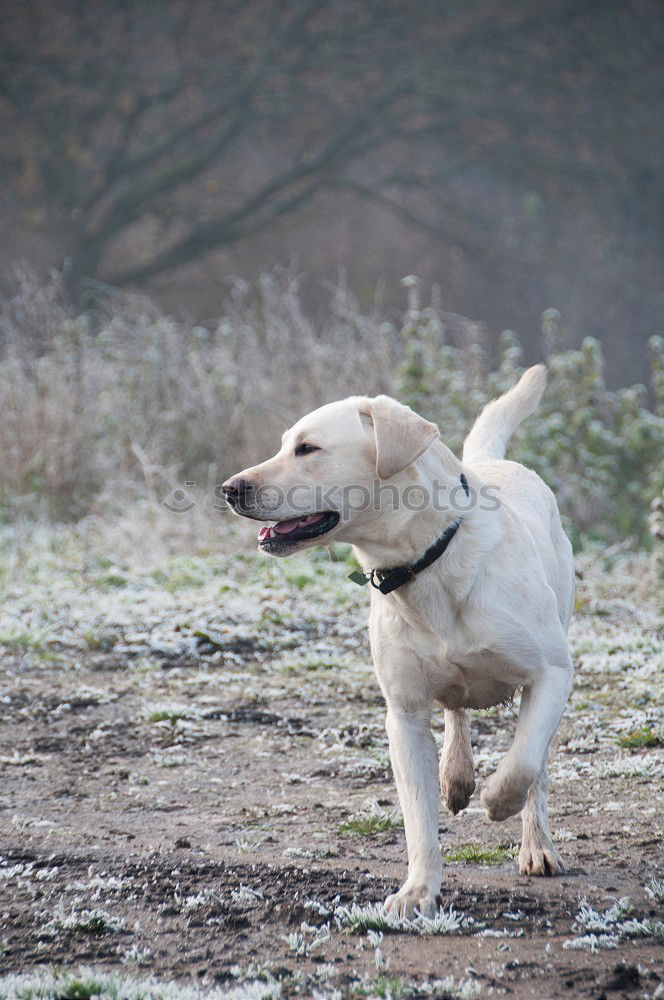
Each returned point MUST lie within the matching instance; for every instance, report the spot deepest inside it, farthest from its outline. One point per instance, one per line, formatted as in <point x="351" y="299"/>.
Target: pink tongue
<point x="285" y="527"/>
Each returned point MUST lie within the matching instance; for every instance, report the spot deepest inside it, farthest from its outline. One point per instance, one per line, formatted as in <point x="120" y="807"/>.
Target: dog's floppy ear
<point x="400" y="434"/>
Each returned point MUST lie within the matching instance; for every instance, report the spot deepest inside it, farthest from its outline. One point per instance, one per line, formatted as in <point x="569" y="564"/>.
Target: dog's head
<point x="321" y="484"/>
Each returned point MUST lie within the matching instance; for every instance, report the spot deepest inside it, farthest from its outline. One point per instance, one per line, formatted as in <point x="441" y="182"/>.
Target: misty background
<point x="508" y="153"/>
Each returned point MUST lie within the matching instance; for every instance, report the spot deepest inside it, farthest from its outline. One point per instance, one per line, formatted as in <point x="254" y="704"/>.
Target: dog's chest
<point x="433" y="652"/>
<point x="454" y="675"/>
<point x="473" y="681"/>
<point x="462" y="677"/>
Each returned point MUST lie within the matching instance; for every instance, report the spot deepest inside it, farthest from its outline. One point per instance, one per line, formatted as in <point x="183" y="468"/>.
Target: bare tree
<point x="149" y="134"/>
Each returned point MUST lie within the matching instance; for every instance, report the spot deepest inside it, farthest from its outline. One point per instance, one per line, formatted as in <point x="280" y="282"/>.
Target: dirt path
<point x="178" y="805"/>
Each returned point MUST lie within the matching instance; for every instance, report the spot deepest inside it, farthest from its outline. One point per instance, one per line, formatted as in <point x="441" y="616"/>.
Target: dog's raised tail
<point x="500" y="418"/>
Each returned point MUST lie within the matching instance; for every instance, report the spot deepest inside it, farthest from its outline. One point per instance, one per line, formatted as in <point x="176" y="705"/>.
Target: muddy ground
<point x="193" y="765"/>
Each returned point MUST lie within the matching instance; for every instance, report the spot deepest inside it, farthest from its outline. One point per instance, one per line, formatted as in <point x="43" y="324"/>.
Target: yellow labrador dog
<point x="472" y="593"/>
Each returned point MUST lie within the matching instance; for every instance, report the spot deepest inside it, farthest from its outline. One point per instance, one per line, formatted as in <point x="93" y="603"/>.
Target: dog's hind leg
<point x="457" y="777"/>
<point x="538" y="855"/>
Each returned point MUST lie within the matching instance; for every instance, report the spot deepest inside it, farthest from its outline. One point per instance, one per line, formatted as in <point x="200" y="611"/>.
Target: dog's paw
<point x="540" y="857"/>
<point x="505" y="792"/>
<point x="457" y="792"/>
<point x="500" y="807"/>
<point x="503" y="798"/>
<point x="409" y="901"/>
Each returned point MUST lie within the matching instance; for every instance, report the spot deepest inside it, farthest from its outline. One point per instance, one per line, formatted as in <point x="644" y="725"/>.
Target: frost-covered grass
<point x="655" y="890"/>
<point x="193" y="901"/>
<point x="308" y="939"/>
<point x="27" y="871"/>
<point x="387" y="987"/>
<point x="87" y="921"/>
<point x="246" y="897"/>
<point x="592" y="942"/>
<point x="636" y="766"/>
<point x="88" y="984"/>
<point x="361" y="919"/>
<point x="563" y="836"/>
<point x="248" y="650"/>
<point x="592" y="920"/>
<point x="91" y="984"/>
<point x="22" y="640"/>
<point x="606" y="929"/>
<point x="374" y="919"/>
<point x="137" y="956"/>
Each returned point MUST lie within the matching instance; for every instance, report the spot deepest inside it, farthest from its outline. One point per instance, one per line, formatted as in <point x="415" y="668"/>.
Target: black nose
<point x="236" y="491"/>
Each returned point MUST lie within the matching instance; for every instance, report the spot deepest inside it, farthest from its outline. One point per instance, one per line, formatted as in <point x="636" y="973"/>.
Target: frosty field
<point x="196" y="789"/>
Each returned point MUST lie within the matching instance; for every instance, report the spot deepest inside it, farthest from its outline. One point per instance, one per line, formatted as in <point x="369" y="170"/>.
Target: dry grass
<point x="124" y="402"/>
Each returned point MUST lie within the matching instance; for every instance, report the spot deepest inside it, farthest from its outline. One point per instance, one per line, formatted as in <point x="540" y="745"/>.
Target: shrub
<point x="122" y="402"/>
<point x="602" y="451"/>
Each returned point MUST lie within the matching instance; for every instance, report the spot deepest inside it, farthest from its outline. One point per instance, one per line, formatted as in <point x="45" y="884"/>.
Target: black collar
<point x="387" y="580"/>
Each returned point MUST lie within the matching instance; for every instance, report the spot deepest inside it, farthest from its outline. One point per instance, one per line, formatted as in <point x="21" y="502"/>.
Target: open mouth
<point x="297" y="529"/>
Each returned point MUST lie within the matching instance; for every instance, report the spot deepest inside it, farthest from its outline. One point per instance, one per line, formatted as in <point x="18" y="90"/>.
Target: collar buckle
<point x="390" y="579"/>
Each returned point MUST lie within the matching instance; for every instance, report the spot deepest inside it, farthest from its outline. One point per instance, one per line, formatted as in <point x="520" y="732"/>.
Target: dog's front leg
<point x="414" y="762"/>
<point x="542" y="705"/>
<point x="457" y="778"/>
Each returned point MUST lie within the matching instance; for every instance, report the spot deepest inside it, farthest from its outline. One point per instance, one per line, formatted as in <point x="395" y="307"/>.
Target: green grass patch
<point x="21" y="640"/>
<point x="182" y="574"/>
<point x="100" y="642"/>
<point x="312" y="663"/>
<point x="369" y="825"/>
<point x="92" y="922"/>
<point x="111" y="581"/>
<point x="269" y="617"/>
<point x="643" y="737"/>
<point x="300" y="580"/>
<point x="473" y="854"/>
<point x="68" y="988"/>
<point x="167" y="715"/>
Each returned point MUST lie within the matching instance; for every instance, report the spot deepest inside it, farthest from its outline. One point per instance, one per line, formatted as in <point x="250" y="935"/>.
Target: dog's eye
<point x="305" y="448"/>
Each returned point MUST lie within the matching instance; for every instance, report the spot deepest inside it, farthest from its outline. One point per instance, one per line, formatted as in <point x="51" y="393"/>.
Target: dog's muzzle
<point x="239" y="494"/>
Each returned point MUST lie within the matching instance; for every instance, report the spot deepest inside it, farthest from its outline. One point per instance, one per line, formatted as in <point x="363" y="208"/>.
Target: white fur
<point x="487" y="618"/>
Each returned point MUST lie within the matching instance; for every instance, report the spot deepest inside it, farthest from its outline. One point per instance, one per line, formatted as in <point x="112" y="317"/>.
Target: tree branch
<point x="239" y="97"/>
